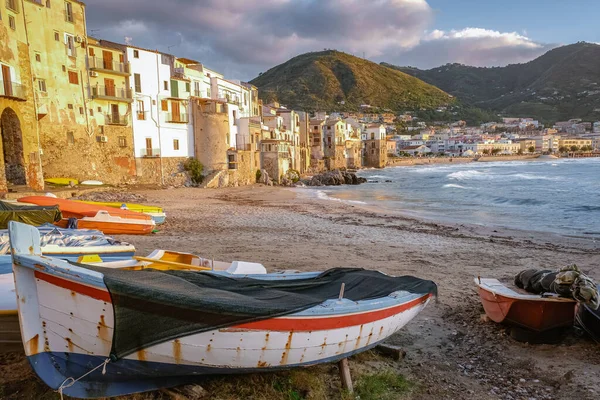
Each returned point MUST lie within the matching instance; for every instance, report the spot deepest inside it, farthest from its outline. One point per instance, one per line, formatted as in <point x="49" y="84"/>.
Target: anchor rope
<point x="70" y="381"/>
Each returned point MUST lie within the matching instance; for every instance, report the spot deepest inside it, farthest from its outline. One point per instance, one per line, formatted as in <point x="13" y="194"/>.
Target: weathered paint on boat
<point x="67" y="325"/>
<point x="535" y="312"/>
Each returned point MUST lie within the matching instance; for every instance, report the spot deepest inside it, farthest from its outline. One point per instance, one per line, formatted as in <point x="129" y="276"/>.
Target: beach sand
<point x="452" y="352"/>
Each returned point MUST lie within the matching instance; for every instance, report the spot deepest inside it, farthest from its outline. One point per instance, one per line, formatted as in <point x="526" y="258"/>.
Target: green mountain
<point x="563" y="83"/>
<point x="332" y="80"/>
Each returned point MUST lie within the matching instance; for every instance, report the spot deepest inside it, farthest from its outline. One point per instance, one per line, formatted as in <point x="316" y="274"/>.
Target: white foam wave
<point x="455" y="186"/>
<point x="377" y="177"/>
<point x="324" y="196"/>
<point x="468" y="174"/>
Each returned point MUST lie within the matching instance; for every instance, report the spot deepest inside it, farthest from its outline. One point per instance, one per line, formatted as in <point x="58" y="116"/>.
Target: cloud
<point x="241" y="38"/>
<point x="471" y="46"/>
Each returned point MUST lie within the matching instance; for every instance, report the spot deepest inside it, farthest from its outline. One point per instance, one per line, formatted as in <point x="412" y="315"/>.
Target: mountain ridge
<point x="332" y="80"/>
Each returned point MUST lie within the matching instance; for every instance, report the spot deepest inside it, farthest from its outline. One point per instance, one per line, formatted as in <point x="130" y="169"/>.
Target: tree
<point x="520" y="152"/>
<point x="563" y="149"/>
<point x="495" y="151"/>
<point x="531" y="149"/>
<point x="574" y="148"/>
<point x="486" y="151"/>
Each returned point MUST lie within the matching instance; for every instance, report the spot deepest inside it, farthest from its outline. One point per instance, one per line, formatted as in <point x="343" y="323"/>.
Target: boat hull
<point x="74" y="335"/>
<point x="110" y="227"/>
<point x="531" y="312"/>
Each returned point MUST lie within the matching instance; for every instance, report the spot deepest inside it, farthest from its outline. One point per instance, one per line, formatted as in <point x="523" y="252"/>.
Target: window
<point x="136" y="54"/>
<point x="64" y="68"/>
<point x="81" y="110"/>
<point x="42" y="85"/>
<point x="70" y="106"/>
<point x="47" y="3"/>
<point x="164" y="59"/>
<point x="187" y="87"/>
<point x="141" y="114"/>
<point x="70" y="43"/>
<point x="99" y="109"/>
<point x="38" y="57"/>
<point x="234" y="117"/>
<point x="56" y="36"/>
<point x="92" y="54"/>
<point x="137" y="83"/>
<point x="73" y="78"/>
<point x="68" y="12"/>
<point x="164" y="105"/>
<point x="175" y="144"/>
<point x="120" y="58"/>
<point x="12" y="23"/>
<point x="149" y="147"/>
<point x="91" y="112"/>
<point x="122" y="141"/>
<point x="70" y="137"/>
<point x="166" y="85"/>
<point x="12" y="5"/>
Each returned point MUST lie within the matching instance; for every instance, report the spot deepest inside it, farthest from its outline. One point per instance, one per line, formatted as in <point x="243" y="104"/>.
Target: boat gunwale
<point x="513" y="295"/>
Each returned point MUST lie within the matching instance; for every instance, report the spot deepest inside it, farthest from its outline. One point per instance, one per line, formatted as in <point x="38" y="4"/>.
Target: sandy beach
<point x="451" y="351"/>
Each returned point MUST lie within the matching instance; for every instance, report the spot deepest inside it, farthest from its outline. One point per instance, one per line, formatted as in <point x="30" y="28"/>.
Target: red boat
<point x="110" y="220"/>
<point x="511" y="305"/>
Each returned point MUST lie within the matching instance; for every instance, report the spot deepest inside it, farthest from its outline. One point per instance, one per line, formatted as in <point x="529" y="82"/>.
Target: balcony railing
<point x="243" y="146"/>
<point x="181" y="118"/>
<point x="111" y="93"/>
<point x="149" y="152"/>
<point x="12" y="89"/>
<point x="141" y="115"/>
<point x="98" y="63"/>
<point x="116" y="119"/>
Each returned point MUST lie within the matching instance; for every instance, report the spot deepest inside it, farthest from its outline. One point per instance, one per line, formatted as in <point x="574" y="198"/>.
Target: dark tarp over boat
<point x="31" y="215"/>
<point x="589" y="320"/>
<point x="152" y="306"/>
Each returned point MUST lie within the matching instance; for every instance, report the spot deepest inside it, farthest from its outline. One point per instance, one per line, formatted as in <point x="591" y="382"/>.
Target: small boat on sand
<point x="504" y="303"/>
<point x="27" y="213"/>
<point x="112" y="332"/>
<point x="157" y="213"/>
<point x="109" y="220"/>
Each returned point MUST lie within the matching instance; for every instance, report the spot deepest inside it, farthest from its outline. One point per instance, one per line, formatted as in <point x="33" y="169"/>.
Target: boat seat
<point x="246" y="268"/>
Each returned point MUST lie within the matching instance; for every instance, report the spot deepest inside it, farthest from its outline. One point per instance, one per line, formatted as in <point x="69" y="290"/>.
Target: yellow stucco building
<point x="65" y="100"/>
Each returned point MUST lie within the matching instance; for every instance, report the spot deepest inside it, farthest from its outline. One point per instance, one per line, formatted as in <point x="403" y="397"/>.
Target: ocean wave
<point x="518" y="202"/>
<point x="585" y="208"/>
<point x="452" y="185"/>
<point x="377" y="177"/>
<point x="324" y="196"/>
<point x="468" y="174"/>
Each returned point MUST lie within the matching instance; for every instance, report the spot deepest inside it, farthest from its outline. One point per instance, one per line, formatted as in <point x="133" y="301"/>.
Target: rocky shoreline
<point x="333" y="178"/>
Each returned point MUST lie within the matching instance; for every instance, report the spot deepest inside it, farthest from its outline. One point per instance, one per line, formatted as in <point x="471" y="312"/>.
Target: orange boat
<point x="109" y="220"/>
<point x="538" y="313"/>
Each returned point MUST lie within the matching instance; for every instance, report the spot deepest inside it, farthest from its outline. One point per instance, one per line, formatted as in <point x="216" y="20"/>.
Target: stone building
<point x="375" y="146"/>
<point x="334" y="144"/>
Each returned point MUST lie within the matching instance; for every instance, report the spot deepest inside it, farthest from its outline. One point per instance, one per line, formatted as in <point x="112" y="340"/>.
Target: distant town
<point x="75" y="106"/>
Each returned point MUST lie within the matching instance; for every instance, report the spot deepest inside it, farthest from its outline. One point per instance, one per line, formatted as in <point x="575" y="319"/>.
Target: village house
<point x="334" y="144"/>
<point x="416" y="150"/>
<point x="375" y="146"/>
<point x="574" y="141"/>
<point x="392" y="148"/>
<point x="317" y="144"/>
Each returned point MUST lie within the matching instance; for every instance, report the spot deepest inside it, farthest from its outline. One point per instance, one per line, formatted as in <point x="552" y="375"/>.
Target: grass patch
<point x="383" y="385"/>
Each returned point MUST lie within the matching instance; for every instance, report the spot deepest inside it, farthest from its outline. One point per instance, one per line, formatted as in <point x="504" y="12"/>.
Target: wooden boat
<point x="10" y="337"/>
<point x="75" y="337"/>
<point x="157" y="213"/>
<point x="61" y="181"/>
<point x="538" y="313"/>
<point x="588" y="319"/>
<point x="109" y="220"/>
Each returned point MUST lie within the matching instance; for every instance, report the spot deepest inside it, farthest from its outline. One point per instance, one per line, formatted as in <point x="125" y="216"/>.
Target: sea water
<point x="557" y="195"/>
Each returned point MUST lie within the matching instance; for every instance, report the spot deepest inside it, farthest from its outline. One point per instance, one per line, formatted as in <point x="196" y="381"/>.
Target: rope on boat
<point x="67" y="383"/>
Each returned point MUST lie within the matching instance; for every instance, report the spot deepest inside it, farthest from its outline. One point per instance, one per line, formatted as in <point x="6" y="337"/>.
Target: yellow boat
<point x="61" y="181"/>
<point x="156" y="213"/>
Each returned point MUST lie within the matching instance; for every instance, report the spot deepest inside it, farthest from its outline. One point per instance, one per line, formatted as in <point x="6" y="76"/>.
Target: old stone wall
<point x="375" y="153"/>
<point x="211" y="132"/>
<point x="149" y="171"/>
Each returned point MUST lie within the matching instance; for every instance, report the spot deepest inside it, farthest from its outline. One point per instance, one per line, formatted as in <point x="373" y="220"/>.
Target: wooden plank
<point x="345" y="375"/>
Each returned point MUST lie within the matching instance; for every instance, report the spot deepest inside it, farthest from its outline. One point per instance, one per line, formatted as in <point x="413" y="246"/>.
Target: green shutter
<point x="174" y="88"/>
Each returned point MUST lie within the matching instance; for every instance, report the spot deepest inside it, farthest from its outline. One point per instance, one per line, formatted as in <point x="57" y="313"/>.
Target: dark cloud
<point x="241" y="38"/>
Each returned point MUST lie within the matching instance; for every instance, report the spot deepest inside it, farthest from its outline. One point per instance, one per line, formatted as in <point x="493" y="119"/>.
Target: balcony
<point x="141" y="115"/>
<point x="12" y="89"/>
<point x="149" y="152"/>
<point x="181" y="118"/>
<point x="112" y="93"/>
<point x="111" y="67"/>
<point x="116" y="119"/>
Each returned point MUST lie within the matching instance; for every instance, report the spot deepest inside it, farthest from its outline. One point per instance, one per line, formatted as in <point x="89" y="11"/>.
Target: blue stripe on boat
<point x="132" y="376"/>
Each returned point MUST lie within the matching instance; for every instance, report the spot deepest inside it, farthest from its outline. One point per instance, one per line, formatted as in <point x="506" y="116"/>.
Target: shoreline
<point x="457" y="160"/>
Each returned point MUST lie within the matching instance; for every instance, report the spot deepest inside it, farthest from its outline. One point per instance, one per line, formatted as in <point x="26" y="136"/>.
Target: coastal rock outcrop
<point x="334" y="178"/>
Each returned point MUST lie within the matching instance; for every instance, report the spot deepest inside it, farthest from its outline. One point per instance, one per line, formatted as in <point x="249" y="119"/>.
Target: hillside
<point x="332" y="80"/>
<point x="563" y="83"/>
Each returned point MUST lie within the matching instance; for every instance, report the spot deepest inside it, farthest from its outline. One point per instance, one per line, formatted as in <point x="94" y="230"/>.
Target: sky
<point x="242" y="38"/>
